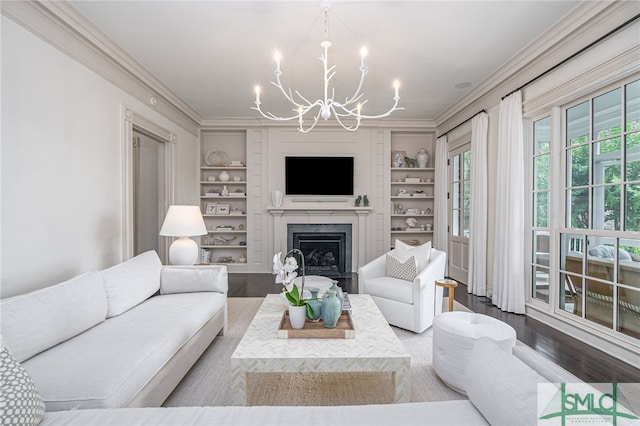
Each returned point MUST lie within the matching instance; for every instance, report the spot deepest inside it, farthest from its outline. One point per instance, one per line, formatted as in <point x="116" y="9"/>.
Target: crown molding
<point x="60" y="25"/>
<point x="583" y="25"/>
<point x="387" y="123"/>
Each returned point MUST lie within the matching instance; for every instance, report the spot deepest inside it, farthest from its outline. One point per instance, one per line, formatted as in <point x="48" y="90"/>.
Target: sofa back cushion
<point x="34" y="322"/>
<point x="502" y="387"/>
<point x="132" y="282"/>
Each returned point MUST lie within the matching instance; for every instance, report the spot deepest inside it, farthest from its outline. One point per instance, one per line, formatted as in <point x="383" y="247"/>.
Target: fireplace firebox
<point x="326" y="247"/>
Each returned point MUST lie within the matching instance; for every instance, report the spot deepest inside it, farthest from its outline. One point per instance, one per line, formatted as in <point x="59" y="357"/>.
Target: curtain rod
<point x="453" y="128"/>
<point x="564" y="61"/>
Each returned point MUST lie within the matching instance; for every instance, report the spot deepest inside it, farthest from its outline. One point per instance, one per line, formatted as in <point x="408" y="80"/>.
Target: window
<point x="599" y="246"/>
<point x="540" y="225"/>
<point x="461" y="193"/>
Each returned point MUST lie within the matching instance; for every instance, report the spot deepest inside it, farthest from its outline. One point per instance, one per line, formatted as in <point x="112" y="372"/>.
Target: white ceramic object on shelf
<point x="216" y="158"/>
<point x="276" y="198"/>
<point x="224" y="176"/>
<point x="423" y="158"/>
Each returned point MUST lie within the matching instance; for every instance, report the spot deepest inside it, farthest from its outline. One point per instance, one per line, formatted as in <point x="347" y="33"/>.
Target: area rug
<point x="208" y="383"/>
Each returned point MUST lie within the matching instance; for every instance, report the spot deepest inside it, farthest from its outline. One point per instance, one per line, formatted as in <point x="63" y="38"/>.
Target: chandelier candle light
<point x="351" y="107"/>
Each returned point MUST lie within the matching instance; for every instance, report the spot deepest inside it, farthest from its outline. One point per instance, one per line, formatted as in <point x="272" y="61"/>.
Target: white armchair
<point x="405" y="304"/>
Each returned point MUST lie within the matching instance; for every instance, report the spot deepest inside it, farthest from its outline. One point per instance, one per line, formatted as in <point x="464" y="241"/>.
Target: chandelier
<point x="350" y="108"/>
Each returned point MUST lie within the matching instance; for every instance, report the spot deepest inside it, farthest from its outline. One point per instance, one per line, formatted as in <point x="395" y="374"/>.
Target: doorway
<point x="148" y="185"/>
<point x="148" y="179"/>
<point x="459" y="169"/>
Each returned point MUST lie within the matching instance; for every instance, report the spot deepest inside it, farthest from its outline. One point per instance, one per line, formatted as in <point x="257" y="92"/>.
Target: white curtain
<point x="478" y="215"/>
<point x="508" y="263"/>
<point x="440" y="195"/>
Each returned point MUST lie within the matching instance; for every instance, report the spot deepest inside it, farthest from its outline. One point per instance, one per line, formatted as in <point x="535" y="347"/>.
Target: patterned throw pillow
<point x="396" y="268"/>
<point x="20" y="401"/>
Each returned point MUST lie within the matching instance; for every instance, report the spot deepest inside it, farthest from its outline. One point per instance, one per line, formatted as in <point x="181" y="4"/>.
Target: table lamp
<point x="183" y="222"/>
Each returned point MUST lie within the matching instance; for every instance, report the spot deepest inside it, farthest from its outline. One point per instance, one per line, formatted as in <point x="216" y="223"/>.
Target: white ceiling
<point x="211" y="54"/>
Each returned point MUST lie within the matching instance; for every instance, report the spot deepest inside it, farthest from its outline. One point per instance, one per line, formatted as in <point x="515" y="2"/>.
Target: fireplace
<point x="326" y="247"/>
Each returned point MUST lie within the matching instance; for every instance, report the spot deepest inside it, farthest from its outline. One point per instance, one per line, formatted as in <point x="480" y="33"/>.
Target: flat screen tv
<point x="319" y="175"/>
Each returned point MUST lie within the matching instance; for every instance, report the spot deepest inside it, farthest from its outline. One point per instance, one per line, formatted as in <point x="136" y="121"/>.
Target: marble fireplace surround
<point x="356" y="216"/>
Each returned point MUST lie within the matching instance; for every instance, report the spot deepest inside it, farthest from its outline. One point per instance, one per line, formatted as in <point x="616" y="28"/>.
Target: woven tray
<point x="316" y="330"/>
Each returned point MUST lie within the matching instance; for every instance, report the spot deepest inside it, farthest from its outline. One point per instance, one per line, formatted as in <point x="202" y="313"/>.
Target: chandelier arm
<point x="306" y="100"/>
<point x="315" y="121"/>
<point x="352" y="128"/>
<point x="284" y="93"/>
<point x="303" y="111"/>
<point x="357" y="95"/>
<point x="386" y="114"/>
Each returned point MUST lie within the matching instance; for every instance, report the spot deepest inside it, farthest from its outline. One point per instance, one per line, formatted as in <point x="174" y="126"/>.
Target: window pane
<point x="456" y="195"/>
<point x="601" y="256"/>
<point x="465" y="231"/>
<point x="606" y="207"/>
<point x="572" y="252"/>
<point x="599" y="306"/>
<point x="578" y="208"/>
<point x="632" y="210"/>
<point x="606" y="161"/>
<point x="541" y="210"/>
<point x="578" y="164"/>
<point x="607" y="114"/>
<point x="540" y="283"/>
<point x="541" y="247"/>
<point x="633" y="105"/>
<point x="542" y="135"/>
<point x="629" y="312"/>
<point x="633" y="156"/>
<point x="541" y="172"/>
<point x="456" y="168"/>
<point x="467" y="165"/>
<point x="466" y="196"/>
<point x="578" y="124"/>
<point x="571" y="294"/>
<point x="455" y="222"/>
<point x="629" y="264"/>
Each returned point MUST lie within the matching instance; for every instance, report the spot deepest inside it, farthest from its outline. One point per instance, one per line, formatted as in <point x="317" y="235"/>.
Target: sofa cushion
<point x="132" y="282"/>
<point x="34" y="322"/>
<point x="189" y="279"/>
<point x="422" y="253"/>
<point x="500" y="386"/>
<point x="391" y="288"/>
<point x="106" y="366"/>
<point x="20" y="402"/>
<point x="402" y="269"/>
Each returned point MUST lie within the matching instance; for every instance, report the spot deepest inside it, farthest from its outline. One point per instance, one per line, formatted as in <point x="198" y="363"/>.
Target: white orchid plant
<point x="286" y="272"/>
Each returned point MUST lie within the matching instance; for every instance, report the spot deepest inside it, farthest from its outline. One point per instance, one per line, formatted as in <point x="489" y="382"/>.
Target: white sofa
<point x="502" y="389"/>
<point x="121" y="337"/>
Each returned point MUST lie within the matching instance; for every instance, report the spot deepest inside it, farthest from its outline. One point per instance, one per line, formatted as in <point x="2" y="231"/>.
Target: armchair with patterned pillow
<point x="402" y="284"/>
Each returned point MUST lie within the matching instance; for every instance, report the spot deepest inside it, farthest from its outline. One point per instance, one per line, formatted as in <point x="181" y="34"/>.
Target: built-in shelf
<point x="411" y="183"/>
<point x="412" y="232"/>
<point x="233" y="143"/>
<point x="411" y="215"/>
<point x="422" y="197"/>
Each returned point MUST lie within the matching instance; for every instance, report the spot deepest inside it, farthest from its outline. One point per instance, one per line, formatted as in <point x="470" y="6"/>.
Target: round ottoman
<point x="454" y="334"/>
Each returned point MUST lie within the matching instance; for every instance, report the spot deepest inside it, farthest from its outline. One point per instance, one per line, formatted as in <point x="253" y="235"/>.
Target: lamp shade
<point x="183" y="221"/>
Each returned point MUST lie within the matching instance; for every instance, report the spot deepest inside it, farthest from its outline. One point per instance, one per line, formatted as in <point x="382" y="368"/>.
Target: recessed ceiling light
<point x="463" y="85"/>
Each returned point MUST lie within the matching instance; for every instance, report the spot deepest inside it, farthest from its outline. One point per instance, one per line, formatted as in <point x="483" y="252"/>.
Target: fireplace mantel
<point x="282" y="216"/>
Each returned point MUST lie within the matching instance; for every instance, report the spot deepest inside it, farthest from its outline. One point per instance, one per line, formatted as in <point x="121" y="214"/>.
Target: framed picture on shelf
<point x="397" y="158"/>
<point x="211" y="208"/>
<point x="222" y="209"/>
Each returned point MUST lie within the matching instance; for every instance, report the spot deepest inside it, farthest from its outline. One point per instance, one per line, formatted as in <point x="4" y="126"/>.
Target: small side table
<point x="451" y="285"/>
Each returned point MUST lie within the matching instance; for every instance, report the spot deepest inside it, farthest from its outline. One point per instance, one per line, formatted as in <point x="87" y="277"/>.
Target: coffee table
<point x="375" y="348"/>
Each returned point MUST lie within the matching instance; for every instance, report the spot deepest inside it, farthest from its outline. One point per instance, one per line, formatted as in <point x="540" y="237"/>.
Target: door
<point x="148" y="178"/>
<point x="459" y="169"/>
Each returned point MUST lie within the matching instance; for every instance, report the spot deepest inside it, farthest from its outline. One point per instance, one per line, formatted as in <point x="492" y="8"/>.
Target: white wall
<point x="61" y="170"/>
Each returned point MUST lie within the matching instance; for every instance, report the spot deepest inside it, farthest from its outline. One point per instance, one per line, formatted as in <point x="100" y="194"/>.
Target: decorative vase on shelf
<point x="335" y="287"/>
<point x="423" y="158"/>
<point x="315" y="303"/>
<point x="276" y="198"/>
<point x="297" y="315"/>
<point x="224" y="176"/>
<point x="331" y="309"/>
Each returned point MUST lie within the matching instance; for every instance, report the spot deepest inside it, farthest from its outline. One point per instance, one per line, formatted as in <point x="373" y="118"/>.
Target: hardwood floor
<point x="589" y="364"/>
